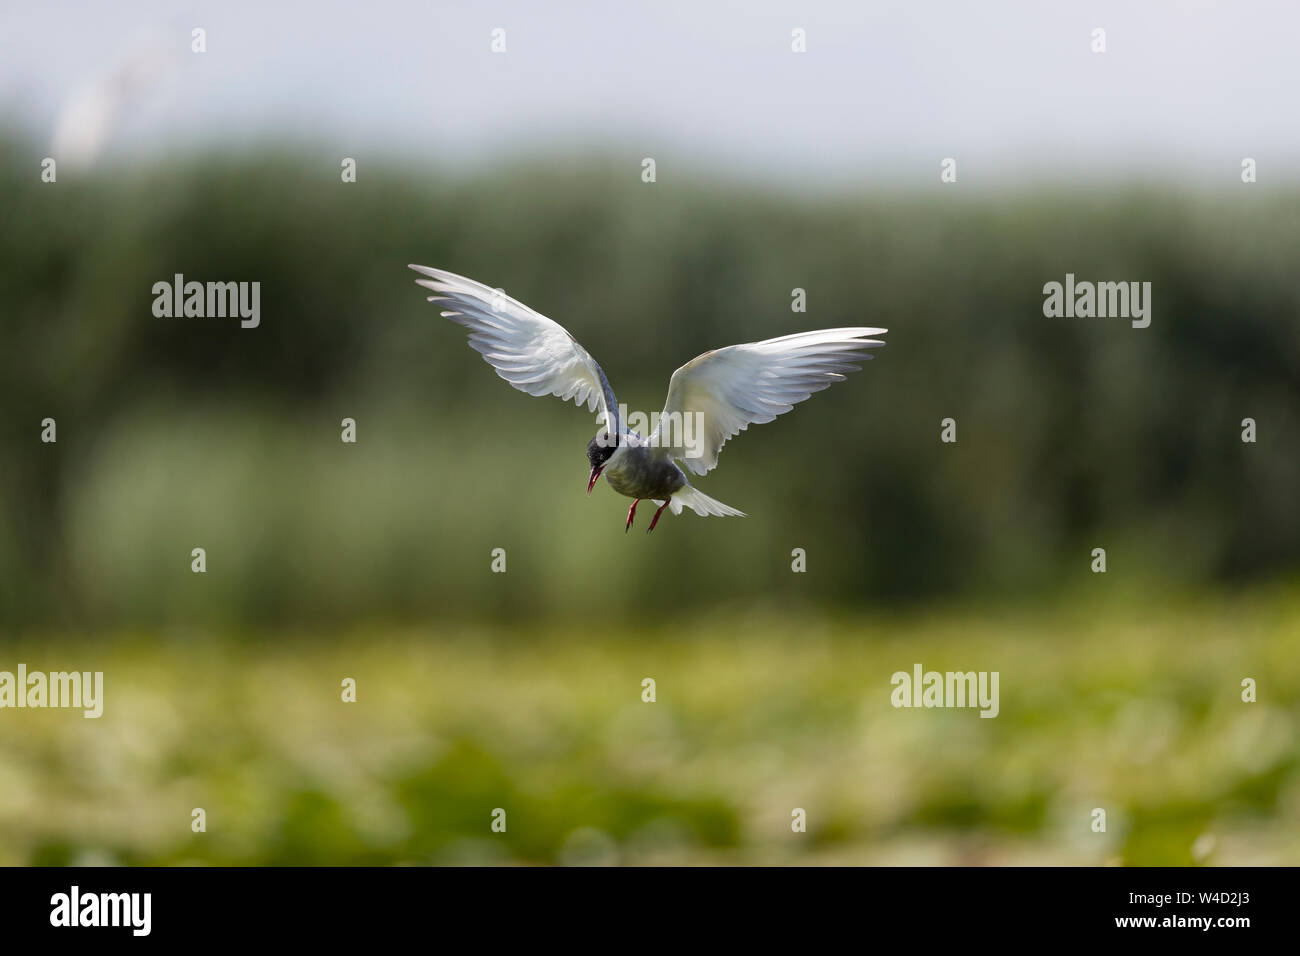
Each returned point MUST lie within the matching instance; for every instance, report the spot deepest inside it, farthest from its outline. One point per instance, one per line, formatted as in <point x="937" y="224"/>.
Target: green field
<point x="1138" y="712"/>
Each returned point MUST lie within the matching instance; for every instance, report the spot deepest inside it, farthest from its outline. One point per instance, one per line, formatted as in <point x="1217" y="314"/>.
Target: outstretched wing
<point x="725" y="391"/>
<point x="528" y="350"/>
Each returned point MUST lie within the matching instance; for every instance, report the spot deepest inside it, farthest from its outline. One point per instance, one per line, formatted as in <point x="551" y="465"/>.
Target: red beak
<point x="595" y="473"/>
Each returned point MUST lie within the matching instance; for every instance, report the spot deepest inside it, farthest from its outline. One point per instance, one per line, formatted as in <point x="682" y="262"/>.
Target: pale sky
<point x="885" y="91"/>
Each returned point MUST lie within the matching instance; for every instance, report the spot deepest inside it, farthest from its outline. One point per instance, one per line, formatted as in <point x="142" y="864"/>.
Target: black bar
<point x="437" y="905"/>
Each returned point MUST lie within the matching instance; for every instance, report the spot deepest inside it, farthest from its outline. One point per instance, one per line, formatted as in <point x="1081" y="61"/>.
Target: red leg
<point x="655" y="520"/>
<point x="631" y="513"/>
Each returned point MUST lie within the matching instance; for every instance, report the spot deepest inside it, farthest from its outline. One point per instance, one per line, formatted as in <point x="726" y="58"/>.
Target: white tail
<point x="701" y="504"/>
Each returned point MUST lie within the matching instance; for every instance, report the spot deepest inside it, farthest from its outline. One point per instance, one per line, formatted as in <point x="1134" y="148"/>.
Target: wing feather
<point x="533" y="353"/>
<point x="732" y="388"/>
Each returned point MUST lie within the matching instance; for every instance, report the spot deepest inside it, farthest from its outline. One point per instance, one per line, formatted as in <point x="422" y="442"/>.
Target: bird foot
<point x="655" y="520"/>
<point x="631" y="513"/>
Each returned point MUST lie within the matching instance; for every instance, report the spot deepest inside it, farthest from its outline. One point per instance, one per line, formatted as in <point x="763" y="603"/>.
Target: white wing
<point x="528" y="350"/>
<point x="725" y="391"/>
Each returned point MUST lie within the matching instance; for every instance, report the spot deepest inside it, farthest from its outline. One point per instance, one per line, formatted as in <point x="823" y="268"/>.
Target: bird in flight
<point x="724" y="390"/>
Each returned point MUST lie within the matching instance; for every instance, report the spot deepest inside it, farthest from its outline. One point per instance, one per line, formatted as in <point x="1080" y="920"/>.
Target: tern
<point x="724" y="390"/>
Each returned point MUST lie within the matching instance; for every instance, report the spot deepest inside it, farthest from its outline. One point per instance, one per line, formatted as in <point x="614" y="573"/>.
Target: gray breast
<point x="638" y="473"/>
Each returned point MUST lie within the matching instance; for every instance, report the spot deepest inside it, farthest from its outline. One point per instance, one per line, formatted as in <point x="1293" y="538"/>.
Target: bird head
<point x="599" y="451"/>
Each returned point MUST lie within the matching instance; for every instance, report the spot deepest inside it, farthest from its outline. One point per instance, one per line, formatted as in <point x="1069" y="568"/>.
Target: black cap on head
<point x="600" y="448"/>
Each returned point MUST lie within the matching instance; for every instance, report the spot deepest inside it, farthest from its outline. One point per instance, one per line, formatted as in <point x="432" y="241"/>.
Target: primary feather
<point x="742" y="385"/>
<point x="533" y="353"/>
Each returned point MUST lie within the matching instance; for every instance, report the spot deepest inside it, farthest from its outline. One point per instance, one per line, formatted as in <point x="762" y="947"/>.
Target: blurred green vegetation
<point x="522" y="690"/>
<point x="181" y="433"/>
<point x="1136" y="711"/>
